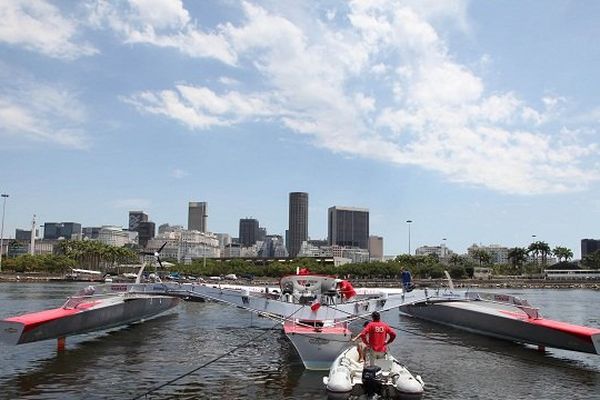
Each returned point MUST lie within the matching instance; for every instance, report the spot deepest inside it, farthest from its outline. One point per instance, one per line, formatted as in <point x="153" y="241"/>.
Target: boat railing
<point x="498" y="298"/>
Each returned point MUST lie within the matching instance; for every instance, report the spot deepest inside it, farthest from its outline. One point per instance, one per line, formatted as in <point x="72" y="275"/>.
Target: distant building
<point x="136" y="218"/>
<point x="146" y="231"/>
<point x="273" y="246"/>
<point x="197" y="215"/>
<point x="248" y="231"/>
<point x="498" y="254"/>
<point x="349" y="254"/>
<point x="589" y="246"/>
<point x="90" y="232"/>
<point x="298" y="222"/>
<point x="232" y="250"/>
<point x="113" y="235"/>
<point x="442" y="252"/>
<point x="348" y="227"/>
<point x="164" y="228"/>
<point x="185" y="245"/>
<point x="62" y="230"/>
<point x="262" y="234"/>
<point x="376" y="248"/>
<point x="21" y="234"/>
<point x="224" y="240"/>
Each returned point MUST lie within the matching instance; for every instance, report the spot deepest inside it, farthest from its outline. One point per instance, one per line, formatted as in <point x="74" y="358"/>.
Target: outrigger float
<point x="500" y="316"/>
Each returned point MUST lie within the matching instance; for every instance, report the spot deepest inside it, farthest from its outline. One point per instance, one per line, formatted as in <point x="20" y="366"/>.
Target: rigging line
<point x="569" y="367"/>
<point x="145" y="395"/>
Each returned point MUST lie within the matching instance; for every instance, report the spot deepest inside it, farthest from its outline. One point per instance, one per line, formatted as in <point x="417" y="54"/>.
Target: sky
<point x="478" y="121"/>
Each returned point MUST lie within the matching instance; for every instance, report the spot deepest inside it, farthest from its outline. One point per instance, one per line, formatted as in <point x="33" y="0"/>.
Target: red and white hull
<point x="86" y="316"/>
<point x="318" y="347"/>
<point x="506" y="321"/>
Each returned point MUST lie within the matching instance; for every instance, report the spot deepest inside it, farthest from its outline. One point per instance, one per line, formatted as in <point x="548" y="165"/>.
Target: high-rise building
<point x="248" y="231"/>
<point x="197" y="215"/>
<point x="146" y="231"/>
<point x="376" y="247"/>
<point x="298" y="222"/>
<point x="589" y="246"/>
<point x="91" y="232"/>
<point x="348" y="226"/>
<point x="64" y="230"/>
<point x="135" y="218"/>
<point x="21" y="234"/>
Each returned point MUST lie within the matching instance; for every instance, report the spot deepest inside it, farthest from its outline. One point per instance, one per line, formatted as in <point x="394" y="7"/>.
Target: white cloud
<point x="34" y="111"/>
<point x="178" y="173"/>
<point x="385" y="86"/>
<point x="162" y="23"/>
<point x="39" y="26"/>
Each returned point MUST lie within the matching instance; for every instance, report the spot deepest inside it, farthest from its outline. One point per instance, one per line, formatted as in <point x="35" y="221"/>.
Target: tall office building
<point x="146" y="231"/>
<point x="298" y="222"/>
<point x="348" y="226"/>
<point x="248" y="231"/>
<point x="589" y="246"/>
<point x="197" y="215"/>
<point x="65" y="230"/>
<point x="135" y="218"/>
<point x="375" y="247"/>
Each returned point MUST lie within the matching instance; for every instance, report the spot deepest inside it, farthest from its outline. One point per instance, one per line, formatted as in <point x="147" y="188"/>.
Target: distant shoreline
<point x="512" y="283"/>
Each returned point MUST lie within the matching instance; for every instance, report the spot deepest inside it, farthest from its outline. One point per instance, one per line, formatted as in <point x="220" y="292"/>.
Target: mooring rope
<point x="255" y="338"/>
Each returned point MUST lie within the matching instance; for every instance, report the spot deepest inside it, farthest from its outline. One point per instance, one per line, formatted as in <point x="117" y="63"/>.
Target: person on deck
<point x="406" y="280"/>
<point x="377" y="335"/>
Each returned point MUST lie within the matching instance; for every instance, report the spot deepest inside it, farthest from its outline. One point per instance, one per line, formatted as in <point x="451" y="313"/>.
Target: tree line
<point x="85" y="254"/>
<point x="98" y="256"/>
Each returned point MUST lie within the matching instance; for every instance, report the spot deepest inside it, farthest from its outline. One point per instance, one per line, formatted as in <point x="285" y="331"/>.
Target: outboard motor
<point x="371" y="384"/>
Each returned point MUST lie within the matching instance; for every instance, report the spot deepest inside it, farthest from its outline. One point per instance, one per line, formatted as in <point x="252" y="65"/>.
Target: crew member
<point x="377" y="335"/>
<point x="406" y="280"/>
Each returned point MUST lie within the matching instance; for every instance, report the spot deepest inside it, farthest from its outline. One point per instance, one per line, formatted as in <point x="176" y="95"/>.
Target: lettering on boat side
<point x="118" y="288"/>
<point x="318" y="341"/>
<point x="10" y="330"/>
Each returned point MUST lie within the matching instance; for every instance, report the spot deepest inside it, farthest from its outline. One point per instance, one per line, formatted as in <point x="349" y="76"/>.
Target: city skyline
<point x="420" y="111"/>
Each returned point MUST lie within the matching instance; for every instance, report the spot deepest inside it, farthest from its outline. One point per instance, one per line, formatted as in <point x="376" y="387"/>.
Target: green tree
<point x="562" y="253"/>
<point x="482" y="256"/>
<point x="517" y="257"/>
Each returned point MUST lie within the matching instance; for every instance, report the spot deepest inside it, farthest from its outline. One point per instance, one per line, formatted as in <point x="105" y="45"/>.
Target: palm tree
<point x="517" y="257"/>
<point x="482" y="256"/>
<point x="562" y="253"/>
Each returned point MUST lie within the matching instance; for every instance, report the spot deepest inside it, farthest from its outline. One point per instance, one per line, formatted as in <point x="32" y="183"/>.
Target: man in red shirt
<point x="377" y="335"/>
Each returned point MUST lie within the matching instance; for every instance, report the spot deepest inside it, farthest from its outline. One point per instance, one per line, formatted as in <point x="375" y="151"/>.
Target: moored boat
<point x="89" y="310"/>
<point x="505" y="317"/>
<point x="387" y="377"/>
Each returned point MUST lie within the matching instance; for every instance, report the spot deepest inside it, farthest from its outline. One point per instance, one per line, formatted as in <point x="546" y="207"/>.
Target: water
<point x="127" y="362"/>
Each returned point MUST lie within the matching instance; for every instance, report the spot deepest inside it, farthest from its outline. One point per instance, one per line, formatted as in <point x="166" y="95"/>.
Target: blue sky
<point x="476" y="120"/>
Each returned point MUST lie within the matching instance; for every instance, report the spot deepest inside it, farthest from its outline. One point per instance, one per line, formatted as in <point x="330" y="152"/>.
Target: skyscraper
<point x="65" y="230"/>
<point x="298" y="222"/>
<point x="197" y="214"/>
<point x="145" y="232"/>
<point x="589" y="246"/>
<point x="348" y="226"/>
<point x="135" y="218"/>
<point x="248" y="231"/>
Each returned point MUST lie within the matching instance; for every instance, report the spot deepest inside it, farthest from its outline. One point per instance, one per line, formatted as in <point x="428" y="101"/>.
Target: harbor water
<point x="126" y="363"/>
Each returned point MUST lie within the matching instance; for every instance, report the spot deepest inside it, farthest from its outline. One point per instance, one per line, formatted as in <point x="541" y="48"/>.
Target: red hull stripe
<point x="583" y="332"/>
<point x="33" y="320"/>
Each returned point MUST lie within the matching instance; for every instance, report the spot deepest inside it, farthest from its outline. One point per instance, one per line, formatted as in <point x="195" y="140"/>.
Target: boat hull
<point x="346" y="377"/>
<point x="506" y="322"/>
<point x="317" y="348"/>
<point x="88" y="316"/>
